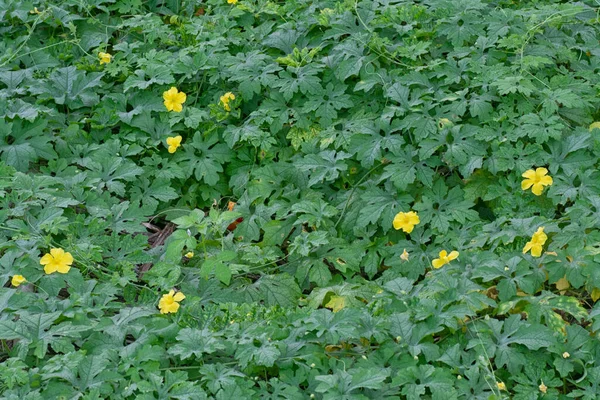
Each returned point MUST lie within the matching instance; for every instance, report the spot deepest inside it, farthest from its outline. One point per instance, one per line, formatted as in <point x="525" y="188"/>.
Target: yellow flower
<point x="227" y="97"/>
<point x="543" y="388"/>
<point x="35" y="11"/>
<point x="173" y="143"/>
<point x="594" y="125"/>
<point x="105" y="58"/>
<point x="444" y="259"/>
<point x="535" y="244"/>
<point x="566" y="355"/>
<point x="404" y="255"/>
<point x="232" y="1"/>
<point x="189" y="254"/>
<point x="536" y="180"/>
<point x="17" y="280"/>
<point x="174" y="99"/>
<point x="57" y="261"/>
<point x="406" y="221"/>
<point x="169" y="303"/>
<point x="501" y="385"/>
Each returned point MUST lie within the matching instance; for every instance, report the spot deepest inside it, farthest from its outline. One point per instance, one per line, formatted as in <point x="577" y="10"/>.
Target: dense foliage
<point x="237" y="241"/>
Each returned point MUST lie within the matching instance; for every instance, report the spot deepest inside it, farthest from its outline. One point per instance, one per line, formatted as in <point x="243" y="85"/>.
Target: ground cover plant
<point x="299" y="199"/>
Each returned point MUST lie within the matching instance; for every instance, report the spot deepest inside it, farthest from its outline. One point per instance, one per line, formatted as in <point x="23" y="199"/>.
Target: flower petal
<point x="540" y="172"/>
<point x="57" y="252"/>
<point x="17" y="280"/>
<point x="453" y="255"/>
<point x="47" y="259"/>
<point x="67" y="258"/>
<point x="536" y="250"/>
<point x="414" y="218"/>
<point x="526" y="184"/>
<point x="63" y="269"/>
<point x="443" y="254"/>
<point x="438" y="263"/>
<point x="537" y="189"/>
<point x="50" y="268"/>
<point x="397" y="223"/>
<point x="546" y="180"/>
<point x="178" y="296"/>
<point x="529" y="174"/>
<point x="539" y="238"/>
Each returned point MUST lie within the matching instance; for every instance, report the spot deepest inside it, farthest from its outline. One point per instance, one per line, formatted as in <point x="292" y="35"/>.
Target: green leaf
<point x="325" y="166"/>
<point x="71" y="86"/>
<point x="196" y="342"/>
<point x="276" y="231"/>
<point x="368" y="378"/>
<point x="218" y="267"/>
<point x="280" y="289"/>
<point x="265" y="355"/>
<point x="533" y="337"/>
<point x="90" y="372"/>
<point x="223" y="273"/>
<point x="328" y="102"/>
<point x="205" y="157"/>
<point x="10" y="330"/>
<point x="150" y="75"/>
<point x="22" y="143"/>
